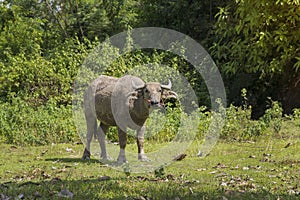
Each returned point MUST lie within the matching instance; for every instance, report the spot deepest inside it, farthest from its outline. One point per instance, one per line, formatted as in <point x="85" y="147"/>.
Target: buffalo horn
<point x="168" y="87"/>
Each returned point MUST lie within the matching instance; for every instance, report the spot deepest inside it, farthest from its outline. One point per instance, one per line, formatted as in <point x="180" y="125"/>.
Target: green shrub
<point x="237" y="119"/>
<point x="240" y="126"/>
<point x="296" y="113"/>
<point x="22" y="124"/>
<point x="273" y="117"/>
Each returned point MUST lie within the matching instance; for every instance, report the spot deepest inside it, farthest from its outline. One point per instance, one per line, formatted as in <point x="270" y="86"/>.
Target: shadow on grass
<point x="72" y="160"/>
<point x="112" y="163"/>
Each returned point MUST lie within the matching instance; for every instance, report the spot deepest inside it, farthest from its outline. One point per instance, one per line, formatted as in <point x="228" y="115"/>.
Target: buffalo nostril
<point x="154" y="102"/>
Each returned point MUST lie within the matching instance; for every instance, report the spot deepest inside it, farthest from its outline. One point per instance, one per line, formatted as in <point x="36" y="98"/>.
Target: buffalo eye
<point x="147" y="91"/>
<point x="159" y="90"/>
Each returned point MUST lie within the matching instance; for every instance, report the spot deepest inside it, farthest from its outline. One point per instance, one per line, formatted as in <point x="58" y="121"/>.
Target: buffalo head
<point x="154" y="93"/>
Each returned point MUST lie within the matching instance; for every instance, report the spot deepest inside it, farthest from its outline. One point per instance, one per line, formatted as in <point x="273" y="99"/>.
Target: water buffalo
<point x="123" y="102"/>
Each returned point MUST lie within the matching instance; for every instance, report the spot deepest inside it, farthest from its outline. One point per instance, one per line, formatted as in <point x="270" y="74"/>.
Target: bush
<point x="163" y="127"/>
<point x="21" y="124"/>
<point x="237" y="119"/>
<point x="240" y="126"/>
<point x="296" y="113"/>
<point x="273" y="117"/>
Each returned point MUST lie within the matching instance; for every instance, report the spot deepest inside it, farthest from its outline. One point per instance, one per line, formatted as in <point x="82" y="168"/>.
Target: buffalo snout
<point x="154" y="102"/>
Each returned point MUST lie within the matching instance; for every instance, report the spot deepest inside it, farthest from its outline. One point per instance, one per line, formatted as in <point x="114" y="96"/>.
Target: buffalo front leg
<point x="140" y="143"/>
<point x="122" y="142"/>
<point x="101" y="133"/>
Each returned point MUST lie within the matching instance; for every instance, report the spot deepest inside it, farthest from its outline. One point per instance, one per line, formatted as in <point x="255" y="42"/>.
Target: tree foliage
<point x="258" y="36"/>
<point x="261" y="39"/>
<point x="42" y="43"/>
<point x="194" y="18"/>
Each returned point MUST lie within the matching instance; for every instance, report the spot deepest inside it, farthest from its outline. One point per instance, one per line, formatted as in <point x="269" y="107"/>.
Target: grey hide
<point x="122" y="102"/>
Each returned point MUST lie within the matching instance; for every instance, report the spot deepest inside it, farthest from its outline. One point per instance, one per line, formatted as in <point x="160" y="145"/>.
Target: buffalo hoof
<point x="143" y="158"/>
<point x="86" y="155"/>
<point x="121" y="160"/>
<point x="105" y="159"/>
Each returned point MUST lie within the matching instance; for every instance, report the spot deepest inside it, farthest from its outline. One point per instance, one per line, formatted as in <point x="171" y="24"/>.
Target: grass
<point x="266" y="169"/>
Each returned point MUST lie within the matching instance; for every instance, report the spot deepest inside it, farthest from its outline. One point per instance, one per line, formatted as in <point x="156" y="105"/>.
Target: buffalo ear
<point x="137" y="87"/>
<point x="168" y="94"/>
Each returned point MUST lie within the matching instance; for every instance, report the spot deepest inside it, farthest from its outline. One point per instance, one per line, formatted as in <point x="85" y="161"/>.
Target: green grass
<point x="264" y="169"/>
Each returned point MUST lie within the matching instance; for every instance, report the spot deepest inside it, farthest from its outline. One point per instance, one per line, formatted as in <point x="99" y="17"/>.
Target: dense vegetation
<point x="255" y="44"/>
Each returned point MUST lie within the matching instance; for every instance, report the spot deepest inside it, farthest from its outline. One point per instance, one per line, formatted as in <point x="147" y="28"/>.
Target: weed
<point x="160" y="172"/>
<point x="273" y="117"/>
<point x="296" y="113"/>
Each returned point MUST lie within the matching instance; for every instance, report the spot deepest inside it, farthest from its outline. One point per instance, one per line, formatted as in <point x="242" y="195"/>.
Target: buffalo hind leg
<point x="91" y="129"/>
<point x="140" y="144"/>
<point x="122" y="142"/>
<point x="101" y="133"/>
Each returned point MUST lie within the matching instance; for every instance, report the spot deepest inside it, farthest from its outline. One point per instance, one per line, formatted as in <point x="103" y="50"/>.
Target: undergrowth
<point x="22" y="124"/>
